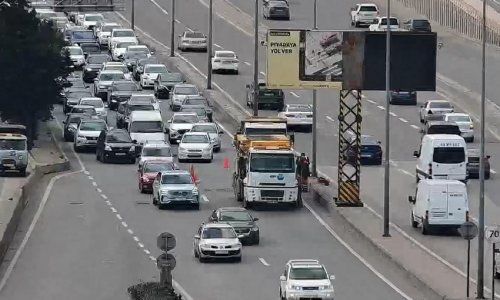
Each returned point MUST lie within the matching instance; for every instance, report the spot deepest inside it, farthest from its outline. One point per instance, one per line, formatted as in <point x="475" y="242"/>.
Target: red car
<point x="329" y="40"/>
<point x="147" y="173"/>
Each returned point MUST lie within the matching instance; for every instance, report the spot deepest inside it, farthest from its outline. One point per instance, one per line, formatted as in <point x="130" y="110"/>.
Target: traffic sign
<point x="492" y="234"/>
<point x="166" y="241"/>
<point x="468" y="230"/>
<point x="166" y="260"/>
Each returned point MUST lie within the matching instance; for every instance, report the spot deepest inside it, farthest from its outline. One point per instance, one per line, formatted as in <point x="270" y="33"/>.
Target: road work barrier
<point x="458" y="15"/>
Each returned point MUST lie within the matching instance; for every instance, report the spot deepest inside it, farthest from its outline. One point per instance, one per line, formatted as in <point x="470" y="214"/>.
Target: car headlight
<point x="132" y="149"/>
<point x="102" y="86"/>
<point x="208" y="148"/>
<point x="182" y="149"/>
<point x="173" y="130"/>
<point x="471" y="126"/>
<point x="107" y="148"/>
<point x="103" y="113"/>
<point x="88" y="69"/>
<point x="164" y="192"/>
<point x="325" y="287"/>
<point x="79" y="137"/>
<point x="235" y="245"/>
<point x="255" y="228"/>
<point x="71" y="128"/>
<point x="295" y="287"/>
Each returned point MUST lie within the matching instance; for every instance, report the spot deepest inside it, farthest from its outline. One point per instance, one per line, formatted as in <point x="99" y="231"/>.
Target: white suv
<point x="306" y="279"/>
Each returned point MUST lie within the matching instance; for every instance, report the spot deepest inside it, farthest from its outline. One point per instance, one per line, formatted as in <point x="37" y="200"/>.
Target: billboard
<point x="350" y="60"/>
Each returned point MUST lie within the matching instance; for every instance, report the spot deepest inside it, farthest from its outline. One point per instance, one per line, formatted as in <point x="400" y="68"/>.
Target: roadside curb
<point x="15" y="204"/>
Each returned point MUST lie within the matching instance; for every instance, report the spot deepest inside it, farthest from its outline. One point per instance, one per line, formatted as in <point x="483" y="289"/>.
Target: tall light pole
<point x="387" y="165"/>
<point x="132" y="23"/>
<point x="209" y="47"/>
<point x="256" y="62"/>
<point x="172" y="30"/>
<point x="315" y="120"/>
<point x="480" y="250"/>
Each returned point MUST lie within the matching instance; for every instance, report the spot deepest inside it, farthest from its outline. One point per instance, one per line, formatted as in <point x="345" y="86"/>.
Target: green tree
<point x="30" y="60"/>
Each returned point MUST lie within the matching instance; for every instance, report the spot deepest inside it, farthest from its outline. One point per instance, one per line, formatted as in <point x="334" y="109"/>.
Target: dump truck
<point x="265" y="171"/>
<point x="255" y="127"/>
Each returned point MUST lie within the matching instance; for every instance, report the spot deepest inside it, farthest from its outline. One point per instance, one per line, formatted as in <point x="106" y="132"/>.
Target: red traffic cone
<point x="226" y="163"/>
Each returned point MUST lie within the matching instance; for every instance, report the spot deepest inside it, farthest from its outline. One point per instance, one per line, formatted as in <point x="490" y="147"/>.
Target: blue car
<point x="371" y="151"/>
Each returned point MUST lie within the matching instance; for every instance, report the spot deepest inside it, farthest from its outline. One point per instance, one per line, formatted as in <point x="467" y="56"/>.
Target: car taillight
<point x="430" y="169"/>
<point x="309" y="116"/>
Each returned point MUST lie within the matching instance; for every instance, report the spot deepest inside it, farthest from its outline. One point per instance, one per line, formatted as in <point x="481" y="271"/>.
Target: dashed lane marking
<point x="140" y="245"/>
<point x="136" y="238"/>
<point x="147" y="252"/>
<point x="84" y="172"/>
<point x="381" y="107"/>
<point x="204" y="198"/>
<point x="415" y="126"/>
<point x="152" y="258"/>
<point x="104" y="196"/>
<point x="90" y="177"/>
<point x="403" y="120"/>
<point x="247" y="63"/>
<point x="108" y="203"/>
<point x="94" y="183"/>
<point x="218" y="46"/>
<point x="368" y="100"/>
<point x="119" y="217"/>
<point x="263" y="261"/>
<point x="113" y="209"/>
<point x="393" y="114"/>
<point x="330" y="119"/>
<point x="262" y="73"/>
<point x="405" y="172"/>
<point x="295" y="95"/>
<point x="130" y="231"/>
<point x="124" y="224"/>
<point x="99" y="190"/>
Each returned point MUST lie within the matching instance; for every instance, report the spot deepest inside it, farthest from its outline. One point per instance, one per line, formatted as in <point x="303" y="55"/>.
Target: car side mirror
<point x="421" y="131"/>
<point x="134" y="141"/>
<point x="416" y="154"/>
<point x="255" y="219"/>
<point x="240" y="236"/>
<point x="248" y="86"/>
<point x="282" y="278"/>
<point x="64" y="122"/>
<point x="488" y="156"/>
<point x="169" y="121"/>
<point x="197" y="236"/>
<point x="411" y="199"/>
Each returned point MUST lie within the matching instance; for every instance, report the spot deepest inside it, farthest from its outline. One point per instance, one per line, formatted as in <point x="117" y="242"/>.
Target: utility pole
<point x="480" y="250"/>
<point x="315" y="119"/>
<point x="256" y="62"/>
<point x="387" y="165"/>
<point x="172" y="30"/>
<point x="132" y="23"/>
<point x="209" y="48"/>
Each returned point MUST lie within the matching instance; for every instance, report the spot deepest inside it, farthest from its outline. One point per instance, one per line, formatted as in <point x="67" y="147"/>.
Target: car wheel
<point x="155" y="202"/>
<point x="425" y="228"/>
<point x="141" y="188"/>
<point x="201" y="259"/>
<point x="22" y="172"/>
<point x="356" y="24"/>
<point x="195" y="253"/>
<point x="414" y="223"/>
<point x="76" y="148"/>
<point x="132" y="161"/>
<point x="256" y="239"/>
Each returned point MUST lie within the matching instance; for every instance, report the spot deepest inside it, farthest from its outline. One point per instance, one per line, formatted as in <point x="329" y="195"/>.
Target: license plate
<point x="119" y="154"/>
<point x="226" y="62"/>
<point x="366" y="155"/>
<point x="272" y="201"/>
<point x="9" y="165"/>
<point x="194" y="155"/>
<point x="222" y="252"/>
<point x="268" y="94"/>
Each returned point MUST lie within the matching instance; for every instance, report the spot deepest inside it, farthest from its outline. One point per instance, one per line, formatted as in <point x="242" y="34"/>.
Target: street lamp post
<point x="256" y="62"/>
<point x="132" y="23"/>
<point x="315" y="120"/>
<point x="209" y="48"/>
<point x="172" y="30"/>
<point x="387" y="165"/>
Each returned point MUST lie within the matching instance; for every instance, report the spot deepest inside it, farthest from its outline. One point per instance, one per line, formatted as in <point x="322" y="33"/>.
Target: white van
<point x="146" y="126"/>
<point x="439" y="203"/>
<point x="442" y="156"/>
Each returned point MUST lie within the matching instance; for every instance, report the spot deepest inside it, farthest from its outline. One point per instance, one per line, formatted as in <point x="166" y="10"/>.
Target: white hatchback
<point x="195" y="146"/>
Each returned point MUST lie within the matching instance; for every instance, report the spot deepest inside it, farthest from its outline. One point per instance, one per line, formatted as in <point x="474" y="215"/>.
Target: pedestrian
<point x="303" y="171"/>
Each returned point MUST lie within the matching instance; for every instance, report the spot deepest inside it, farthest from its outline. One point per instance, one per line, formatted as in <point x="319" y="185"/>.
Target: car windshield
<point x="185" y="119"/>
<point x="97" y="103"/>
<point x="235" y="216"/>
<point x="219" y="233"/>
<point x="265" y="131"/>
<point x="94" y="18"/>
<point x="157" y="152"/>
<point x="87" y="110"/>
<point x="449" y="155"/>
<point x="204" y="128"/>
<point x="186" y="90"/>
<point x="98" y="59"/>
<point x="171" y="77"/>
<point x="6" y="144"/>
<point x="122" y="68"/>
<point x="318" y="273"/>
<point x="195" y="139"/>
<point x="201" y="112"/>
<point x="421" y="23"/>
<point x="125" y="44"/>
<point x="109" y="28"/>
<point x="111" y="76"/>
<point x="439" y="105"/>
<point x="196" y="35"/>
<point x="158" y="167"/>
<point x="299" y="109"/>
<point x="225" y="54"/>
<point x="128" y="86"/>
<point x="138" y="50"/>
<point x="195" y="101"/>
<point x="368" y="8"/>
<point x="459" y="119"/>
<point x="118" y="137"/>
<point x="123" y="33"/>
<point x="132" y="55"/>
<point x="176" y="179"/>
<point x="92" y="126"/>
<point x="155" y="69"/>
<point x="146" y="126"/>
<point x="75" y="51"/>
<point x="394" y="21"/>
<point x="83" y="35"/>
<point x="141" y="107"/>
<point x="272" y="163"/>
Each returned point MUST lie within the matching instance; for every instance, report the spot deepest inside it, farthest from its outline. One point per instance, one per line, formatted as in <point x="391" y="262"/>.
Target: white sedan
<point x="195" y="145"/>
<point x="226" y="61"/>
<point x="298" y="115"/>
<point x="151" y="72"/>
<point x="217" y="240"/>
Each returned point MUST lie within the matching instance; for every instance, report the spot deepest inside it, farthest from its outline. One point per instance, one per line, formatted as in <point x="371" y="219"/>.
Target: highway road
<point x="458" y="60"/>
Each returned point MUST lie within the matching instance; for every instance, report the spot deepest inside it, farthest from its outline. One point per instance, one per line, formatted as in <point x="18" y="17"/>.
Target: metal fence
<point x="458" y="16"/>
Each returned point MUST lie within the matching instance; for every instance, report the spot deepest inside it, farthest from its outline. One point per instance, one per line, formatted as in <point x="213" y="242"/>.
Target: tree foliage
<point x="30" y="60"/>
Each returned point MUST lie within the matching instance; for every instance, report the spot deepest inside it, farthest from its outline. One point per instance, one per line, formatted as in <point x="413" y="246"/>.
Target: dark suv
<point x="115" y="144"/>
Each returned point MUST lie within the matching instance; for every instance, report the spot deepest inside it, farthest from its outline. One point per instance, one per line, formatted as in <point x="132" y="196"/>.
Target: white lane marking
<point x="84" y="172"/>
<point x="393" y="114"/>
<point x="356" y="254"/>
<point x="104" y="196"/>
<point x="405" y="172"/>
<point x="152" y="258"/>
<point x="218" y="46"/>
<point x="371" y="101"/>
<point x="90" y="177"/>
<point x="204" y="198"/>
<point x="130" y="231"/>
<point x="381" y="107"/>
<point x="262" y="73"/>
<point x="41" y="207"/>
<point x="124" y="224"/>
<point x="177" y="21"/>
<point x="295" y="95"/>
<point x="330" y="119"/>
<point x="263" y="261"/>
<point x="189" y="29"/>
<point x="94" y="183"/>
<point x="113" y="209"/>
<point x="403" y="120"/>
<point x="147" y="252"/>
<point x="136" y="238"/>
<point x="247" y="63"/>
<point x="99" y="190"/>
<point x="493" y="171"/>
<point x="161" y="8"/>
<point x="393" y="163"/>
<point x="108" y="203"/>
<point x="119" y="217"/>
<point x="140" y="245"/>
<point x="415" y="126"/>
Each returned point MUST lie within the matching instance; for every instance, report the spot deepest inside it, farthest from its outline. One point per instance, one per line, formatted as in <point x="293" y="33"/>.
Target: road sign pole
<point x="172" y="29"/>
<point x="256" y="62"/>
<point x="468" y="231"/>
<point x="132" y="21"/>
<point x="387" y="165"/>
<point x="493" y="273"/>
<point x="210" y="43"/>
<point x="468" y="269"/>
<point x="315" y="119"/>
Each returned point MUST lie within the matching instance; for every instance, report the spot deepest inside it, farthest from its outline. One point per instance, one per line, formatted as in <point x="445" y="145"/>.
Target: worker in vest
<point x="303" y="171"/>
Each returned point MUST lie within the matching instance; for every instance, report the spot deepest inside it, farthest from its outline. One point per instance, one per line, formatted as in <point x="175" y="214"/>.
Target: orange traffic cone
<point x="226" y="163"/>
<point x="193" y="174"/>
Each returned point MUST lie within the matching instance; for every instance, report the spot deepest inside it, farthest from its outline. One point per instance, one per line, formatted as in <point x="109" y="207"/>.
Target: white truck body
<point x="381" y="24"/>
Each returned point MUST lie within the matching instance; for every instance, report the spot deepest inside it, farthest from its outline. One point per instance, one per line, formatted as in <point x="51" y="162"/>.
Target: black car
<point x="276" y="10"/>
<point x="138" y="69"/>
<point x="93" y="64"/>
<point x="120" y="91"/>
<point x="165" y="82"/>
<point x="404" y="97"/>
<point x="115" y="144"/>
<point x="241" y="220"/>
<point x="90" y="48"/>
<point x="130" y="59"/>
<point x="473" y="163"/>
<point x="70" y="125"/>
<point x="371" y="151"/>
<point x="73" y="96"/>
<point x="417" y="25"/>
<point x="199" y="101"/>
<point x="125" y="108"/>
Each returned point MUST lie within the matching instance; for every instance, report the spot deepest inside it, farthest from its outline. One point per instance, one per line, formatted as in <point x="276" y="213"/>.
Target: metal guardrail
<point x="89" y="5"/>
<point x="458" y="16"/>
